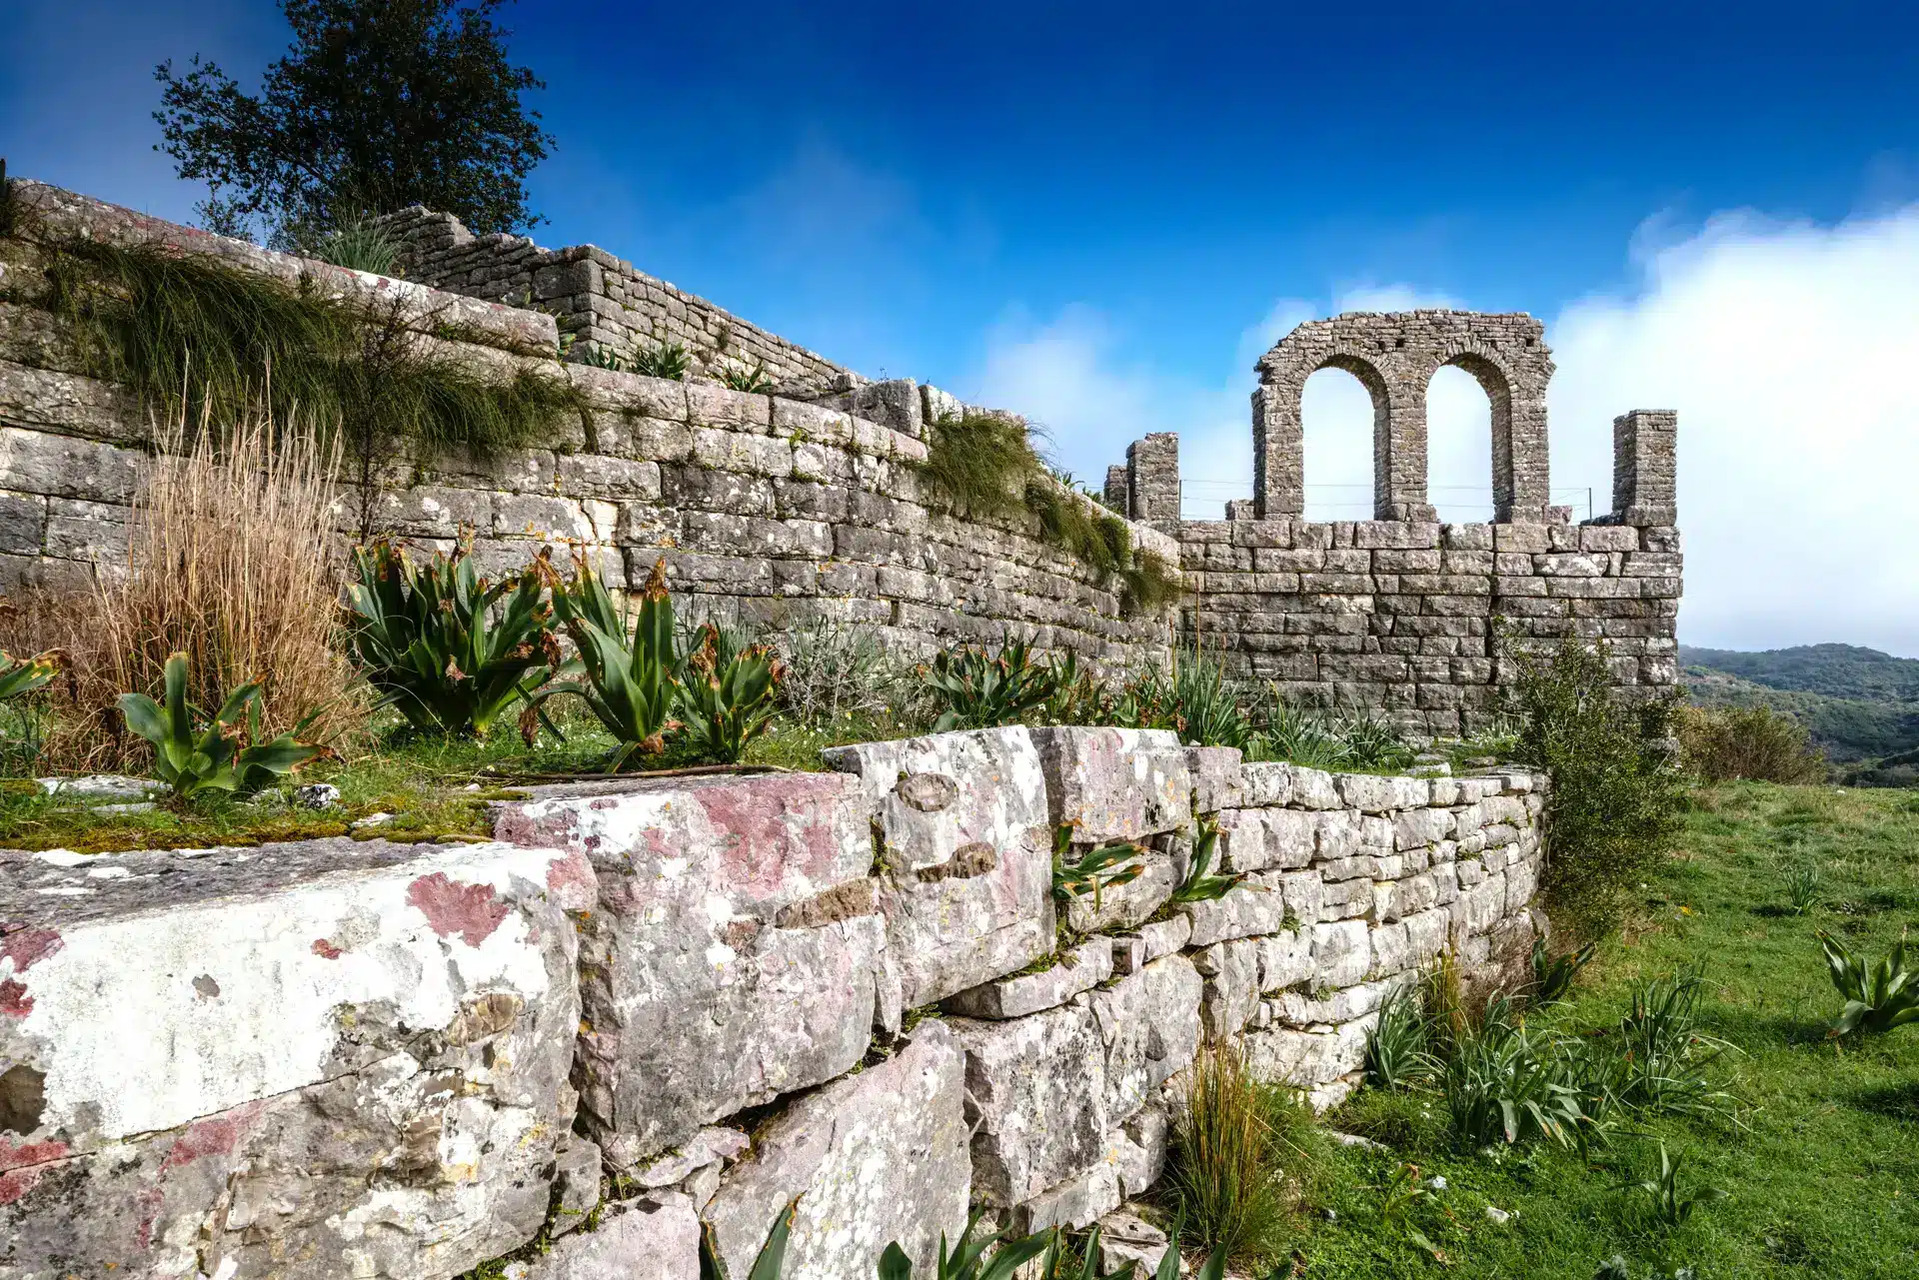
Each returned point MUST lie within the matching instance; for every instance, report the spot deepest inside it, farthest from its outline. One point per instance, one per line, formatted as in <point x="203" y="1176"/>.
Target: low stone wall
<point x="654" y="1003"/>
<point x="765" y="508"/>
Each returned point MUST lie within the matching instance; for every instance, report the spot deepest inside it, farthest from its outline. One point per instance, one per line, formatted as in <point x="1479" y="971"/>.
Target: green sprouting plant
<point x="20" y="676"/>
<point x="1200" y="885"/>
<point x="1191" y="696"/>
<point x="601" y="356"/>
<point x="1106" y="866"/>
<point x="1877" y="999"/>
<point x="1372" y="742"/>
<point x="1504" y="1084"/>
<point x="1064" y="1261"/>
<point x="1399" y="1047"/>
<point x="968" y="1259"/>
<point x="982" y="691"/>
<point x="22" y="744"/>
<point x="627" y="681"/>
<point x="1802" y="887"/>
<point x="1074" y="697"/>
<point x="751" y="378"/>
<point x="667" y="359"/>
<point x="223" y="756"/>
<point x="727" y="694"/>
<point x="1296" y="735"/>
<point x="1665" y="1058"/>
<point x="1661" y="1197"/>
<point x="1553" y="974"/>
<point x="772" y="1255"/>
<point x="448" y="648"/>
<point x="361" y="244"/>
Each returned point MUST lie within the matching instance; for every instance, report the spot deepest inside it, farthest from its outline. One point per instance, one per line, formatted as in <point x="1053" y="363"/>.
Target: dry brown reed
<point x="1237" y="1156"/>
<point x="229" y="560"/>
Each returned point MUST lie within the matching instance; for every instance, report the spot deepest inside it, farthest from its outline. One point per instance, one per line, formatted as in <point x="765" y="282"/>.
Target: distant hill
<point x="1860" y="705"/>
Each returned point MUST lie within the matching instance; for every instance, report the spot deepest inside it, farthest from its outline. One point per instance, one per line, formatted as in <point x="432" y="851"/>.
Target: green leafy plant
<point x="978" y="690"/>
<point x="1103" y="867"/>
<point x="1758" y="743"/>
<point x="968" y="1259"/>
<point x="1200" y="885"/>
<point x="1616" y="1268"/>
<point x="1802" y="887"/>
<point x="1665" y="1059"/>
<point x="627" y="681"/>
<point x="1553" y="974"/>
<point x="1399" y="1047"/>
<point x="21" y="676"/>
<point x="601" y="356"/>
<point x="1505" y="1085"/>
<point x="1191" y="696"/>
<point x="360" y="244"/>
<point x="1879" y="998"/>
<point x="1661" y="1196"/>
<point x="772" y="1255"/>
<point x="662" y="360"/>
<point x="1075" y="696"/>
<point x="728" y="694"/>
<point x="751" y="378"/>
<point x="223" y="755"/>
<point x="449" y="649"/>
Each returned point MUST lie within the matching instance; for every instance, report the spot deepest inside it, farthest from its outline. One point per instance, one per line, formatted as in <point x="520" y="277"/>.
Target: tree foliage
<point x="378" y="104"/>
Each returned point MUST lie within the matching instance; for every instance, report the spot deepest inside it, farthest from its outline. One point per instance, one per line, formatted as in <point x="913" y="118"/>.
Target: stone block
<point x="1256" y="905"/>
<point x="23" y="524"/>
<point x="39" y="462"/>
<point x="1149" y="1028"/>
<point x="1218" y="777"/>
<point x="1255" y="839"/>
<point x="1342" y="953"/>
<point x="284" y="1020"/>
<point x="875" y="1158"/>
<point x="656" y="1235"/>
<point x="1231" y="997"/>
<point x="1036" y="1101"/>
<point x="1266" y="784"/>
<point x="1127" y="905"/>
<point x="1306" y="1058"/>
<point x="1080" y="969"/>
<point x="736" y="954"/>
<point x="1138" y="1148"/>
<point x="964" y="828"/>
<point x="1115" y="784"/>
<point x="1285" y="959"/>
<point x="576" y="1182"/>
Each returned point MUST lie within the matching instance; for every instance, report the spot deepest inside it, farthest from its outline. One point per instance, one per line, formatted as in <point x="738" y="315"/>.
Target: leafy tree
<point x="378" y="104"/>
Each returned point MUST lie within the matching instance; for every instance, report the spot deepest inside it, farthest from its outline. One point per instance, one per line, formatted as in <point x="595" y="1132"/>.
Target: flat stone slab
<point x="1080" y="969"/>
<point x="736" y="954"/>
<point x="314" y="1059"/>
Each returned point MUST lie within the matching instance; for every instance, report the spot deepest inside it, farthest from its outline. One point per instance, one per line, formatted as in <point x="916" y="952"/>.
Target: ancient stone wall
<point x="651" y="1004"/>
<point x="602" y="301"/>
<point x="764" y="508"/>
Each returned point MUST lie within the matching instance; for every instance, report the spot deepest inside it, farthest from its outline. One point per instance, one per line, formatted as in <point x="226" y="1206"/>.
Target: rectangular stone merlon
<point x="737" y="952"/>
<point x="1116" y="490"/>
<point x="281" y="1022"/>
<point x="1644" y="467"/>
<point x="1152" y="478"/>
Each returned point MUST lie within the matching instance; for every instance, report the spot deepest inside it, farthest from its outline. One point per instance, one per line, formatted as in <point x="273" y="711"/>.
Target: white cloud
<point x="1786" y="347"/>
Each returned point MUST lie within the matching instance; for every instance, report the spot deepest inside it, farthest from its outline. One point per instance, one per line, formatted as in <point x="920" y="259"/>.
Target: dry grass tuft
<point x="1240" y="1150"/>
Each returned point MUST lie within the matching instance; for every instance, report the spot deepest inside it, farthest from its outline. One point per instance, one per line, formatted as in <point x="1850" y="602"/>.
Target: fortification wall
<point x="648" y="1005"/>
<point x="764" y="508"/>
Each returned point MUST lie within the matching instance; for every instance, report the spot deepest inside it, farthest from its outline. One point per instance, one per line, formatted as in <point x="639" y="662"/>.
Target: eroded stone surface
<point x="656" y="1236"/>
<point x="1115" y="784"/>
<point x="1078" y="970"/>
<point x="1149" y="1026"/>
<point x="1036" y="1101"/>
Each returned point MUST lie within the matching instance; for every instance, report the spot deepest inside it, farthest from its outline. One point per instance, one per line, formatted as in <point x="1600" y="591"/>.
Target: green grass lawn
<point x="1823" y="1169"/>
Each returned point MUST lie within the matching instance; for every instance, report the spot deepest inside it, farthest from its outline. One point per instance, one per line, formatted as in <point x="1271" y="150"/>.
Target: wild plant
<point x="1106" y="866"/>
<point x="1553" y="974"/>
<point x="1065" y="1261"/>
<point x="1616" y="1268"/>
<point x="836" y="673"/>
<point x="1665" y="1057"/>
<point x="1232" y="1145"/>
<point x="1660" y="1196"/>
<point x="728" y="694"/>
<point x="968" y="1259"/>
<point x="225" y="755"/>
<point x="450" y="650"/>
<point x="1803" y="887"/>
<point x="751" y="378"/>
<point x="1877" y="999"/>
<point x="23" y="743"/>
<point x="1076" y="697"/>
<point x="1372" y="742"/>
<point x="982" y="691"/>
<point x="1199" y="884"/>
<point x="1191" y="696"/>
<point x="360" y="244"/>
<point x="1296" y="735"/>
<point x="1719" y="744"/>
<point x="21" y="676"/>
<point x="601" y="356"/>
<point x="667" y="359"/>
<point x="1399" y="1047"/>
<point x="772" y="1255"/>
<point x="1504" y="1084"/>
<point x="627" y="680"/>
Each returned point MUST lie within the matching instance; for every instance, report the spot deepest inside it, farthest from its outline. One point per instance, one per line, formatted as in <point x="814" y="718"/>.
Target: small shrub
<point x="1877" y="999"/>
<point x="225" y="755"/>
<point x="981" y="691"/>
<point x="450" y="650"/>
<point x="600" y="356"/>
<point x="1398" y="1049"/>
<point x="362" y="244"/>
<point x="837" y="673"/>
<point x="662" y="360"/>
<point x="1616" y="798"/>
<point x="1660" y="1197"/>
<point x="1506" y="1085"/>
<point x="1231" y="1147"/>
<point x="1192" y="696"/>
<point x="750" y="378"/>
<point x="1721" y="744"/>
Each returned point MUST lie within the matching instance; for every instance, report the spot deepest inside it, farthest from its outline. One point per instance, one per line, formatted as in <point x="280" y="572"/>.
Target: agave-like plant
<point x="1200" y="885"/>
<point x="223" y="756"/>
<point x="448" y="648"/>
<point x="1662" y="1197"/>
<point x="662" y="360"/>
<point x="627" y="681"/>
<point x="23" y="675"/>
<point x="1399" y="1047"/>
<point x="728" y="694"/>
<point x="1103" y="867"/>
<point x="968" y="1259"/>
<point x="983" y="691"/>
<point x="1877" y="999"/>
<point x="1553" y="975"/>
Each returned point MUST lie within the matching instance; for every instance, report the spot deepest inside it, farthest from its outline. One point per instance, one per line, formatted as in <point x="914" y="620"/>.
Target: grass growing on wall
<point x="985" y="465"/>
<point x="178" y="326"/>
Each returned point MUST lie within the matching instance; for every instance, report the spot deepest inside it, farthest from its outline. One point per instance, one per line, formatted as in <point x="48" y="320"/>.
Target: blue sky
<point x="1100" y="213"/>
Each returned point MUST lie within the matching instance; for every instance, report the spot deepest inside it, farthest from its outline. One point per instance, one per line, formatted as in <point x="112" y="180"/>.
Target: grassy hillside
<point x="1861" y="706"/>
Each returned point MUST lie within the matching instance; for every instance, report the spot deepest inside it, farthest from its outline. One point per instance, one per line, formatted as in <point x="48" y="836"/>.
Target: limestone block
<point x="1076" y="1203"/>
<point x="1336" y="834"/>
<point x="1342" y="953"/>
<point x="874" y="1158"/>
<point x="1256" y="905"/>
<point x="1345" y="899"/>
<point x="1303" y="1058"/>
<point x="23" y="523"/>
<point x="656" y="1236"/>
<point x="40" y="462"/>
<point x="1130" y="904"/>
<point x="1232" y="972"/>
<point x="1366" y="792"/>
<point x="1163" y="937"/>
<point x="963" y="819"/>
<point x="576" y="1180"/>
<point x="1036" y="1101"/>
<point x="1303" y="1009"/>
<point x="736" y="954"/>
<point x="1255" y="839"/>
<point x="1218" y="777"/>
<point x="1285" y="959"/>
<point x="1078" y="970"/>
<point x="1266" y="783"/>
<point x="1313" y="788"/>
<point x="284" y="1020"/>
<point x="1478" y="908"/>
<point x="600" y="476"/>
<point x="1409" y="895"/>
<point x="1149" y="1027"/>
<point x="1115" y="784"/>
<point x="1305" y="896"/>
<point x="1138" y="1148"/>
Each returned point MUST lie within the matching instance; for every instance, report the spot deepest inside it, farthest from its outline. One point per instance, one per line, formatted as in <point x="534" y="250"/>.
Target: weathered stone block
<point x="1232" y="985"/>
<point x="285" y="1020"/>
<point x="1285" y="958"/>
<point x="1115" y="784"/>
<point x="1255" y="839"/>
<point x="736" y="954"/>
<point x="963" y="823"/>
<point x="1036" y="1101"/>
<point x="875" y="1158"/>
<point x="40" y="462"/>
<point x="1256" y="905"/>
<point x="1218" y="778"/>
<point x="1080" y="969"/>
<point x="1342" y="953"/>
<point x="1149" y="1025"/>
<point x="656" y="1236"/>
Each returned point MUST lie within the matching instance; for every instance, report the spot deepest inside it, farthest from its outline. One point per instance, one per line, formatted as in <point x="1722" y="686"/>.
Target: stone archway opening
<point x="1459" y="446"/>
<point x="1337" y="415"/>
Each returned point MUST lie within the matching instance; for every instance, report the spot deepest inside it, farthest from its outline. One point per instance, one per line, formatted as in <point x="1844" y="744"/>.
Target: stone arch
<point x="1395" y="355"/>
